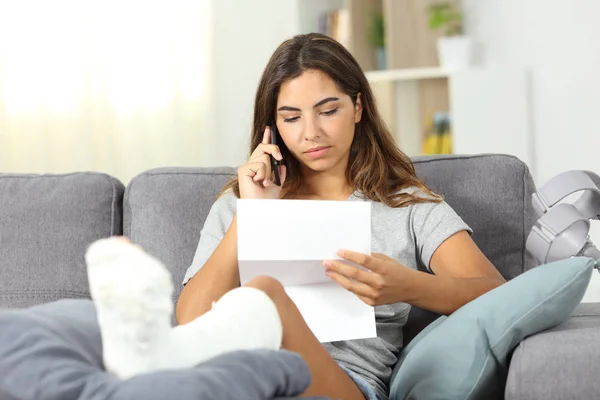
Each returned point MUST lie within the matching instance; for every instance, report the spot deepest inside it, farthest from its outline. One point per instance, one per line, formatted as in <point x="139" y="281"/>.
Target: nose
<point x="311" y="130"/>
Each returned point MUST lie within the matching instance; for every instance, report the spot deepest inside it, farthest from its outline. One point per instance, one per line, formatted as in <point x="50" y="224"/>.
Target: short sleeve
<point x="216" y="225"/>
<point x="432" y="224"/>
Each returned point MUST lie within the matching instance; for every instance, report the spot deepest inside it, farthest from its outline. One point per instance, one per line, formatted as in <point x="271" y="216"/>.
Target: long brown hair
<point x="376" y="167"/>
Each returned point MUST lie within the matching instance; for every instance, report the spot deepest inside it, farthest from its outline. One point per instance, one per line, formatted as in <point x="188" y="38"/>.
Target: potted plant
<point x="454" y="47"/>
<point x="377" y="38"/>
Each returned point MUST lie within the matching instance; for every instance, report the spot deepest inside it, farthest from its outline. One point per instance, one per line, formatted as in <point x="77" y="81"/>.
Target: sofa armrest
<point x="560" y="363"/>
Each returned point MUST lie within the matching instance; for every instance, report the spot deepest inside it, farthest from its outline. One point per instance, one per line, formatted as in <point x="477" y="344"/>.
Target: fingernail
<point x="327" y="263"/>
<point x="266" y="182"/>
<point x="278" y="156"/>
<point x="340" y="253"/>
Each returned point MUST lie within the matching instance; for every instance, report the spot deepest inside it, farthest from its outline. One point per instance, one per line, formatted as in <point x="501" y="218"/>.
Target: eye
<point x="330" y="112"/>
<point x="292" y="119"/>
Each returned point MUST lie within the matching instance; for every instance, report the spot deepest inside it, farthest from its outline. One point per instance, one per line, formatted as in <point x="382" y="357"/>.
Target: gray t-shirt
<point x="409" y="234"/>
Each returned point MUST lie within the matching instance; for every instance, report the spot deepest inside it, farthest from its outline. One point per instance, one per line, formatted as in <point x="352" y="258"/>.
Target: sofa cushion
<point x="47" y="223"/>
<point x="165" y="209"/>
<point x="568" y="354"/>
<point x="466" y="356"/>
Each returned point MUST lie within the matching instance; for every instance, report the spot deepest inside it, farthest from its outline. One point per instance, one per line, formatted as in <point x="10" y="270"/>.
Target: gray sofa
<point x="47" y="221"/>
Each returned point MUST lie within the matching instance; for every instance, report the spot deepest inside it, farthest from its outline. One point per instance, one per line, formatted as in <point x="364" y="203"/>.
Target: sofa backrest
<point x="164" y="209"/>
<point x="46" y="223"/>
<point x="492" y="193"/>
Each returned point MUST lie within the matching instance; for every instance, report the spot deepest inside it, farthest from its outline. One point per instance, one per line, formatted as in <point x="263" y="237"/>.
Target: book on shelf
<point x="336" y="24"/>
<point x="438" y="138"/>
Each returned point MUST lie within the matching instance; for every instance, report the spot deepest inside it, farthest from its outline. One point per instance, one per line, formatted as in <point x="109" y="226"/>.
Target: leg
<point x="328" y="379"/>
<point x="132" y="292"/>
<point x="243" y="319"/>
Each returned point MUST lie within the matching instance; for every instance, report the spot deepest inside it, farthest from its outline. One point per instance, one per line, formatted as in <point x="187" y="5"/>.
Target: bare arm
<point x="216" y="277"/>
<point x="462" y="273"/>
<point x="444" y="294"/>
<point x="220" y="272"/>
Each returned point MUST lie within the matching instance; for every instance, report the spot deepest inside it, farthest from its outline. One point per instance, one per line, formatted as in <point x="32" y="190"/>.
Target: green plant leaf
<point x="376" y="32"/>
<point x="443" y="16"/>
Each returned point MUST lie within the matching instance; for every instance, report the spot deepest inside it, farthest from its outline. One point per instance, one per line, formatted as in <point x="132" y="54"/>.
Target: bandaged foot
<point x="132" y="292"/>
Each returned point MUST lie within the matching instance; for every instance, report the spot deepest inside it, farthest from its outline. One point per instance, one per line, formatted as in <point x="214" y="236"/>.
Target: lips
<point x="317" y="152"/>
<point x="316" y="149"/>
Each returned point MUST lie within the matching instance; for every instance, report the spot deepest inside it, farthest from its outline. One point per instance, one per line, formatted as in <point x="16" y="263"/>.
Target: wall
<point x="558" y="40"/>
<point x="245" y="34"/>
<point x="310" y="10"/>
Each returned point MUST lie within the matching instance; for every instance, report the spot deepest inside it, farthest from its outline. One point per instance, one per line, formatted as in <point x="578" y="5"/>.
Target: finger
<point x="352" y="272"/>
<point x="358" y="288"/>
<point x="369" y="301"/>
<point x="267" y="135"/>
<point x="261" y="174"/>
<point x="266" y="162"/>
<point x="261" y="149"/>
<point x="365" y="260"/>
<point x="248" y="170"/>
<point x="255" y="170"/>
<point x="381" y="256"/>
<point x="268" y="171"/>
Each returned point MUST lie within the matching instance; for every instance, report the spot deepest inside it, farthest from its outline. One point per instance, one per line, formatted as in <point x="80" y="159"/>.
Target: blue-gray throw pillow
<point x="466" y="355"/>
<point x="420" y="336"/>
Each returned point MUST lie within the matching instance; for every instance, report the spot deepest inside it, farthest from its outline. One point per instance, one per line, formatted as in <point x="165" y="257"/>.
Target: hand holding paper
<point x="290" y="239"/>
<point x="384" y="281"/>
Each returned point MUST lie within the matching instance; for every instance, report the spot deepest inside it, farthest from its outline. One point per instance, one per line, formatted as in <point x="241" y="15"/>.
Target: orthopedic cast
<point x="132" y="292"/>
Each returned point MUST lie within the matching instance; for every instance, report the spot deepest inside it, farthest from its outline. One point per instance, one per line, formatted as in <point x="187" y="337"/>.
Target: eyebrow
<point x="320" y="103"/>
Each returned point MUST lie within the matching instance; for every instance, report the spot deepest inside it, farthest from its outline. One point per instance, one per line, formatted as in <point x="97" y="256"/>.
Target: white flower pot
<point x="454" y="52"/>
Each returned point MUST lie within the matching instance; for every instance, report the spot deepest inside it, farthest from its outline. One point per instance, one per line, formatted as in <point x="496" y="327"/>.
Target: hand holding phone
<point x="263" y="176"/>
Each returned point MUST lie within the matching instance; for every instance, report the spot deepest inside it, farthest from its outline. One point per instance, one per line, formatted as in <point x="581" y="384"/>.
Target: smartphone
<point x="274" y="163"/>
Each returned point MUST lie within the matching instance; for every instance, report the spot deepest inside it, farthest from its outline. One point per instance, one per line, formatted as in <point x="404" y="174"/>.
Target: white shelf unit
<point x="490" y="108"/>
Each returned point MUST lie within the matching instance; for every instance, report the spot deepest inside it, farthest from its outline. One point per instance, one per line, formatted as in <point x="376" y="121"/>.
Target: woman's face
<point x="316" y="121"/>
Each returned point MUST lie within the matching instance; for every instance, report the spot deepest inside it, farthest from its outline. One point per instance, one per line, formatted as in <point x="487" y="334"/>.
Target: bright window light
<point x="138" y="55"/>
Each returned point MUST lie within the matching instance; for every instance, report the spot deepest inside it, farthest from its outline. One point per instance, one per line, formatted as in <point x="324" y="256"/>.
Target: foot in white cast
<point x="132" y="292"/>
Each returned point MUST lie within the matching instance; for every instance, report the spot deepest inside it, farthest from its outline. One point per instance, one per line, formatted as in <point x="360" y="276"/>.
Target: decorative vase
<point x="454" y="52"/>
<point x="380" y="58"/>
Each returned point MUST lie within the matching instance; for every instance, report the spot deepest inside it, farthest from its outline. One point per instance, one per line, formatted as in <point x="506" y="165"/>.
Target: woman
<point x="333" y="145"/>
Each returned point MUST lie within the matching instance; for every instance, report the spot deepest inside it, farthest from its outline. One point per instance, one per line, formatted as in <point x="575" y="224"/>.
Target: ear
<point x="358" y="108"/>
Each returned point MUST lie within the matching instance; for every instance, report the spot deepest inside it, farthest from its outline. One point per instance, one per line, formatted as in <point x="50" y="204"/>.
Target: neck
<point x="327" y="185"/>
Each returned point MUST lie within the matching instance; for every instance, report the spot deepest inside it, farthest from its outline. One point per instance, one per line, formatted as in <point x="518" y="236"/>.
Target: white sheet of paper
<point x="289" y="239"/>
